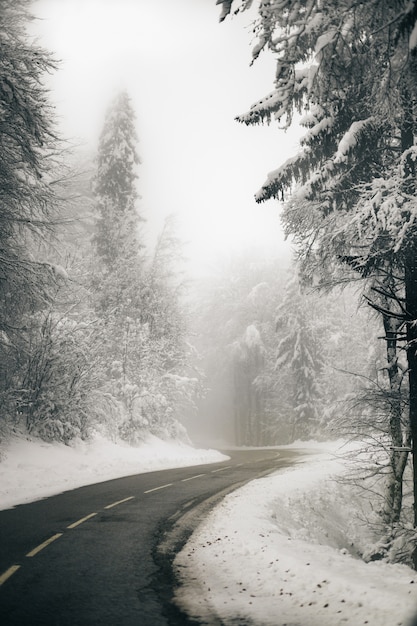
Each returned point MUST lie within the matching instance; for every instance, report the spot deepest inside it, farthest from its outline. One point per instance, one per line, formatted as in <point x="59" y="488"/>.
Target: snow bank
<point x="33" y="469"/>
<point x="277" y="552"/>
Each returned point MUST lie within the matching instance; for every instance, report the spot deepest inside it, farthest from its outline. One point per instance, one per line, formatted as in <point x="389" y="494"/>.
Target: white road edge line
<point x="184" y="480"/>
<point x="81" y="521"/>
<point x="44" y="544"/>
<point x="110" y="506"/>
<point x="157" y="488"/>
<point x="9" y="572"/>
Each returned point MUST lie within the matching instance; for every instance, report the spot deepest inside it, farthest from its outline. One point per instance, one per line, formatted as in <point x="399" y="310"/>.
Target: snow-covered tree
<point x="157" y="355"/>
<point x="136" y="294"/>
<point x="27" y="200"/>
<point x="117" y="263"/>
<point x="350" y="70"/>
<point x="241" y="401"/>
<point x="115" y="189"/>
<point x="301" y="349"/>
<point x="60" y="377"/>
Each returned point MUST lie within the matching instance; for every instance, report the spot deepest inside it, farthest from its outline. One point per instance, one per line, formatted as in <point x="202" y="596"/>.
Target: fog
<point x="188" y="77"/>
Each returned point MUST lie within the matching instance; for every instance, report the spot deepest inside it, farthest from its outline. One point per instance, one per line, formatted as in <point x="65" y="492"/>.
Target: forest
<point x="349" y="71"/>
<point x="101" y="332"/>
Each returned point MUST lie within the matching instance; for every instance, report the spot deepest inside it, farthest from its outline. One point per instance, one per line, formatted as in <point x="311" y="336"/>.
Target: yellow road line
<point x="44" y="544"/>
<point x="110" y="506"/>
<point x="157" y="488"/>
<point x="9" y="572"/>
<point x="80" y="521"/>
<point x="184" y="480"/>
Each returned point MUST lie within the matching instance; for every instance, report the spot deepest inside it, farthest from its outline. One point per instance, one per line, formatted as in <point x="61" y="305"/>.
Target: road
<point x="101" y="555"/>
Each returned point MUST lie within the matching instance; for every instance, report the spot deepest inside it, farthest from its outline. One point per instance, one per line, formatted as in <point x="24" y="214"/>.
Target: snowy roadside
<point x="32" y="469"/>
<point x="276" y="553"/>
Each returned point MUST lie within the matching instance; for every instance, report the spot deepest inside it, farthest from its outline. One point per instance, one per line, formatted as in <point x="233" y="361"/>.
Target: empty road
<point x="93" y="556"/>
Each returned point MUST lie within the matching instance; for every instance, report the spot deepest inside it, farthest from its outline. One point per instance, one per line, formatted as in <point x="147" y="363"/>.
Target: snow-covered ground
<point x="32" y="469"/>
<point x="278" y="552"/>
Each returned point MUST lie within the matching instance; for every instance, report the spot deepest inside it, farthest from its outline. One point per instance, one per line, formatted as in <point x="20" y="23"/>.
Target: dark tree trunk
<point x="411" y="304"/>
<point x="398" y="459"/>
<point x="410" y="269"/>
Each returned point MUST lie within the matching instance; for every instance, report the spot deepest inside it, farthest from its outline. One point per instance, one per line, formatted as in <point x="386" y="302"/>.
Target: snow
<point x="277" y="552"/>
<point x="412" y="42"/>
<point x="33" y="469"/>
<point x="350" y="139"/>
<point x="252" y="337"/>
<point x="275" y="177"/>
<point x="324" y="40"/>
<point x="323" y="126"/>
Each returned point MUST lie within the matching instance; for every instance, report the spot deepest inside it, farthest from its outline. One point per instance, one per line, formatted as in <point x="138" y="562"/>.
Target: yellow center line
<point x="9" y="572"/>
<point x="110" y="506"/>
<point x="157" y="488"/>
<point x="192" y="478"/>
<point x="44" y="544"/>
<point x="80" y="521"/>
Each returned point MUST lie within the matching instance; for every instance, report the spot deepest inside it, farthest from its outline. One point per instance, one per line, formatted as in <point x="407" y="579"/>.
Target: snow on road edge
<point x="273" y="554"/>
<point x="34" y="469"/>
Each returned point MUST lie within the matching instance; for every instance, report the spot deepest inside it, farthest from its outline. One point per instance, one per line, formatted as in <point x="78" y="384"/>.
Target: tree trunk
<point x="410" y="272"/>
<point x="237" y="408"/>
<point x="398" y="459"/>
<point x="411" y="304"/>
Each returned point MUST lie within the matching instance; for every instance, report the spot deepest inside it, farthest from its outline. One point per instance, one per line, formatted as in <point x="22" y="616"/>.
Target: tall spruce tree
<point x="117" y="259"/>
<point x="301" y="349"/>
<point x="116" y="238"/>
<point x="136" y="295"/>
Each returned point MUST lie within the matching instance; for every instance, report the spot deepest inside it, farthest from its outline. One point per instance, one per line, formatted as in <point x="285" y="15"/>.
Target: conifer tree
<point x="115" y="185"/>
<point x="117" y="261"/>
<point x="350" y="69"/>
<point x="302" y="351"/>
<point x="136" y="295"/>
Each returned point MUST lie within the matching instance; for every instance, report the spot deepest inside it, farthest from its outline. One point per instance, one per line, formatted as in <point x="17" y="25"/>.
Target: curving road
<point x="101" y="555"/>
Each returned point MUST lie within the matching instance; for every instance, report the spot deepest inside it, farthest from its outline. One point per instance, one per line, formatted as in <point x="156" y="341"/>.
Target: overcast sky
<point x="188" y="77"/>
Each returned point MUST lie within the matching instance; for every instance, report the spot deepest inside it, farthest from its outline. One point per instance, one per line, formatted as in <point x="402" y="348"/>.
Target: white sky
<point x="188" y="77"/>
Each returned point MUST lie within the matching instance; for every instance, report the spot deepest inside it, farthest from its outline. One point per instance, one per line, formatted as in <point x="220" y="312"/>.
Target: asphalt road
<point x="101" y="555"/>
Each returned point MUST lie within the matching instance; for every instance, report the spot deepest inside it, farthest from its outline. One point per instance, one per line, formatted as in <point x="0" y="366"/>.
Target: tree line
<point x="280" y="363"/>
<point x="92" y="325"/>
<point x="349" y="70"/>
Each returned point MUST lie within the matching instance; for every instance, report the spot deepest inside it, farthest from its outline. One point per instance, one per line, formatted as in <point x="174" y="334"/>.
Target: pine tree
<point x="117" y="261"/>
<point x="136" y="294"/>
<point x="301" y="350"/>
<point x="350" y="69"/>
<point x="115" y="185"/>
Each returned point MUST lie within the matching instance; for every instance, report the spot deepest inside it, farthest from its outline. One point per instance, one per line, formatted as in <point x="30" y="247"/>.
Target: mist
<point x="188" y="79"/>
